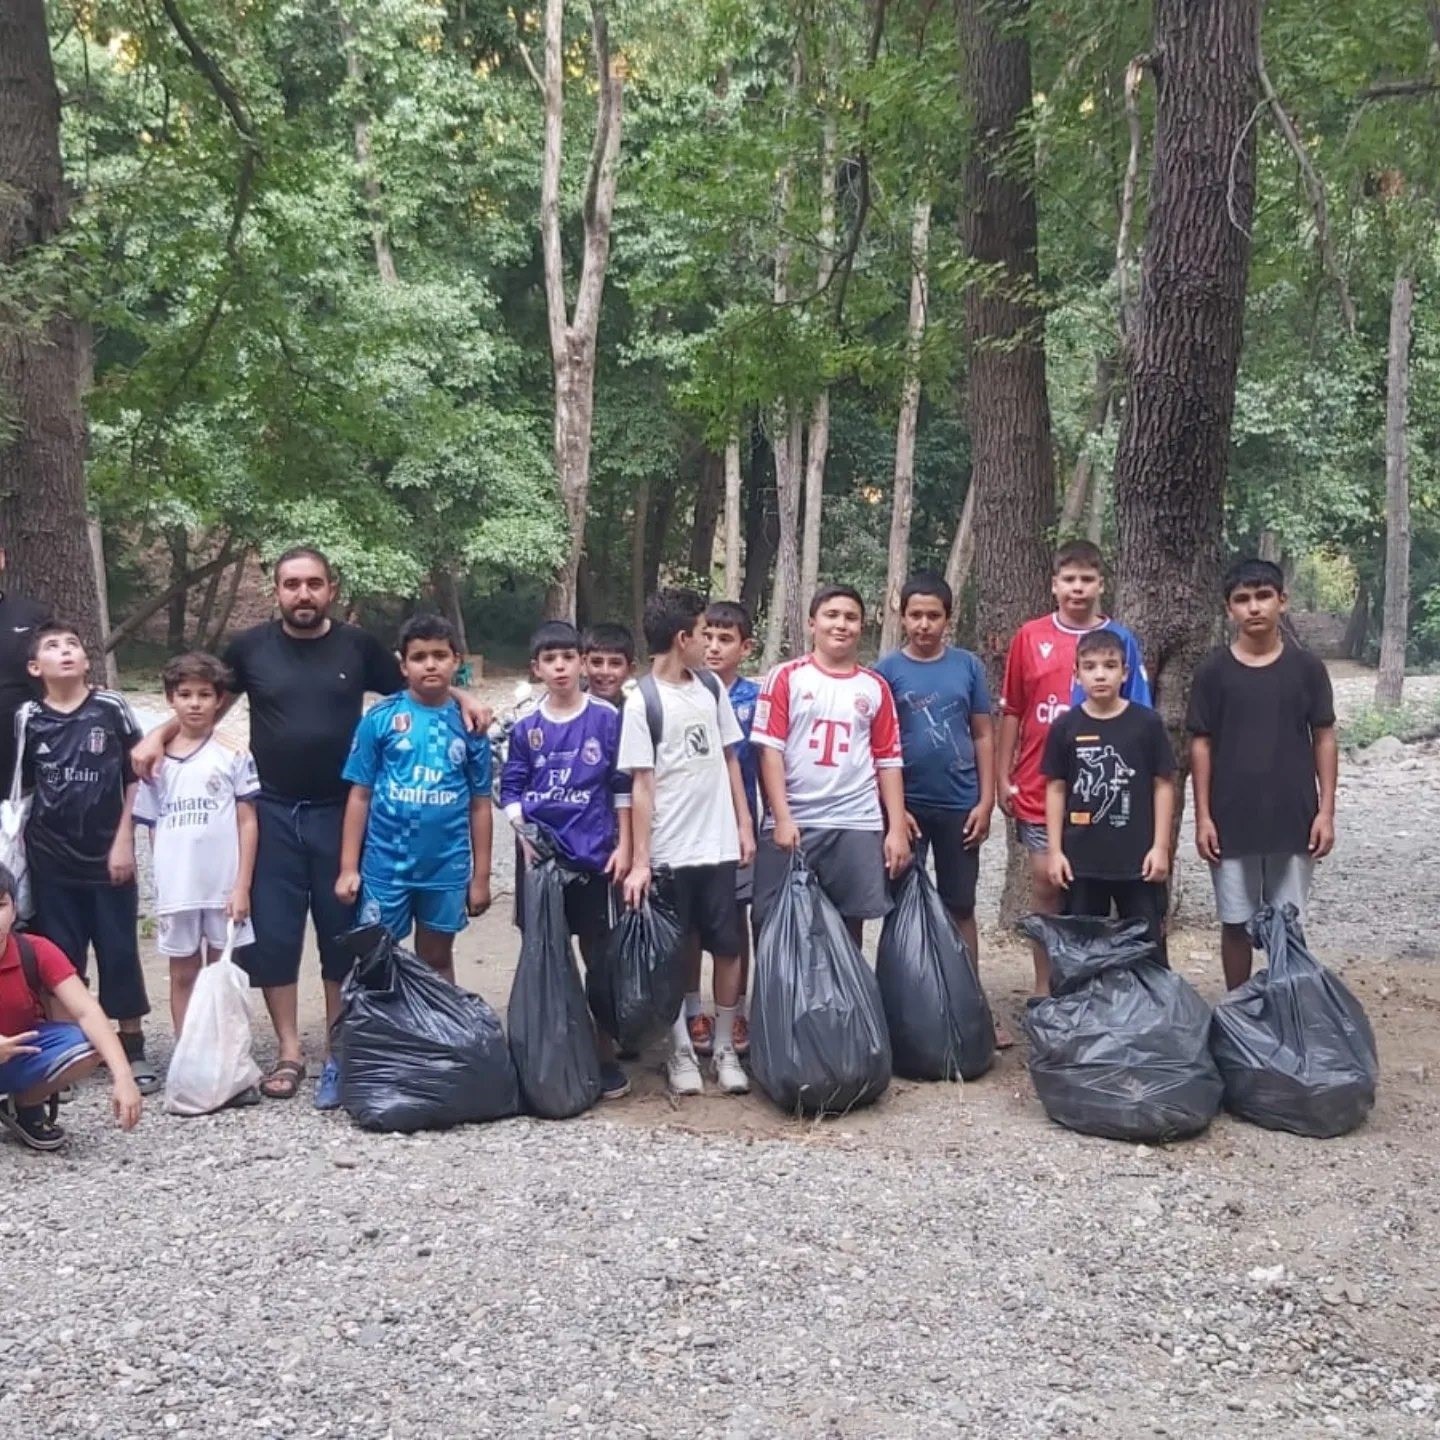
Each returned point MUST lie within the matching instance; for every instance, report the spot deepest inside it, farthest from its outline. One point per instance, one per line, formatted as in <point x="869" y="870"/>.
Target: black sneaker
<point x="32" y="1125"/>
<point x="614" y="1083"/>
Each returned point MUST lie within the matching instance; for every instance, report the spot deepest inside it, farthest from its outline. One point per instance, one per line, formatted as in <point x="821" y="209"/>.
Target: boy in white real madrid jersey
<point x="200" y="807"/>
<point x="416" y="843"/>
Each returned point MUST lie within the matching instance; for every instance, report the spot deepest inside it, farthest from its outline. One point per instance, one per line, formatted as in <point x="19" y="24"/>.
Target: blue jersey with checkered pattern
<point x="421" y="767"/>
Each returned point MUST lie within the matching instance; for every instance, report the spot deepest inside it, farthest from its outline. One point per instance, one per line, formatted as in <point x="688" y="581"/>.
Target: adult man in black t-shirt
<point x="306" y="676"/>
<point x="19" y="618"/>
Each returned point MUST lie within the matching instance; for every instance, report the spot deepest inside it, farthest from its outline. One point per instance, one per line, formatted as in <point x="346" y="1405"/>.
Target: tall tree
<point x="1184" y="351"/>
<point x="1394" y="632"/>
<point x="44" y="354"/>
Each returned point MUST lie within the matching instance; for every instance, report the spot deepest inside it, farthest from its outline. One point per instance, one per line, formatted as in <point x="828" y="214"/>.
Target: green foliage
<point x="1408" y="722"/>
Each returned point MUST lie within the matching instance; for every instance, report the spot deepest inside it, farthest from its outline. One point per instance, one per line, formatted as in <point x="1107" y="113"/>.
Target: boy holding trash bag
<point x="690" y="820"/>
<point x="561" y="774"/>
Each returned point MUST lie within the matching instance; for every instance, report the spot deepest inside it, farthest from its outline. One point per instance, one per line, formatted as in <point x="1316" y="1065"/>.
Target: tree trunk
<point x="762" y="529"/>
<point x="227" y="609"/>
<point x="1095" y="524"/>
<point x="709" y="491"/>
<point x="1013" y="467"/>
<point x="733" y="578"/>
<point x="903" y="502"/>
<point x="206" y="613"/>
<point x="446" y="591"/>
<point x="42" y="368"/>
<point x="364" y="160"/>
<point x="97" y="560"/>
<point x="132" y="623"/>
<point x="1357" y="628"/>
<point x="1077" y="492"/>
<point x="962" y="549"/>
<point x="657" y="531"/>
<point x="639" y="530"/>
<point x="178" y="541"/>
<point x="783" y="626"/>
<point x="1394" y="629"/>
<point x="1184" y="352"/>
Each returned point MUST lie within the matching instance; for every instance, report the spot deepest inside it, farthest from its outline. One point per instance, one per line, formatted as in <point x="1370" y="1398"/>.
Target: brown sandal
<point x="283" y="1082"/>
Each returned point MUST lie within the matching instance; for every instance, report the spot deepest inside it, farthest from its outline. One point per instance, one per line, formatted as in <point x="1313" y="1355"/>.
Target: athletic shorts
<point x="1130" y="900"/>
<point x="1033" y="836"/>
<point x="745" y="883"/>
<point x="849" y="864"/>
<point x="587" y="903"/>
<point x="1243" y="883"/>
<point x="703" y="897"/>
<point x="60" y="1043"/>
<point x="957" y="869"/>
<point x="399" y="909"/>
<point x="181" y="934"/>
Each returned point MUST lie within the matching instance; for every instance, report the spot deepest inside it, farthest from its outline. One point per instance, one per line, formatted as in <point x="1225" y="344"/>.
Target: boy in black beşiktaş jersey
<point x="80" y="839"/>
<point x="1110" y="795"/>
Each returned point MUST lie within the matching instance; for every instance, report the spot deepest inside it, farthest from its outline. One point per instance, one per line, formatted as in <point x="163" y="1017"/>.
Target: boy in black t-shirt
<point x="1264" y="761"/>
<point x="1110" y="795"/>
<point x="79" y="839"/>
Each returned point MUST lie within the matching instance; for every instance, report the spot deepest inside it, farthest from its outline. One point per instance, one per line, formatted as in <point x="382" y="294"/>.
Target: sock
<point x="680" y="1037"/>
<point x="693" y="1004"/>
<point x="743" y="1008"/>
<point x="724" y="1027"/>
<point x="133" y="1045"/>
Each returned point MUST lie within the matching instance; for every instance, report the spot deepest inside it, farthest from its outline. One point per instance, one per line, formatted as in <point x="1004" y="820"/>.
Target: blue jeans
<point x="297" y="862"/>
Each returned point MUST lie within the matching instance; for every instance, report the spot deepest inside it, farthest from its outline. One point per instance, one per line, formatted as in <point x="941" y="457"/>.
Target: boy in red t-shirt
<point x="828" y="738"/>
<point x="1038" y="688"/>
<point x="40" y="1056"/>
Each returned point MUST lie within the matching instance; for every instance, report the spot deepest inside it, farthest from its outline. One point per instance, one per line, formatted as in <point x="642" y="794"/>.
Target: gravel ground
<point x="945" y="1264"/>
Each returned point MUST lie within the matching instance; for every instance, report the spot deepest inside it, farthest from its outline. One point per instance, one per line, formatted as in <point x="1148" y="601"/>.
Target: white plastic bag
<point x="212" y="1063"/>
<point x="14" y="812"/>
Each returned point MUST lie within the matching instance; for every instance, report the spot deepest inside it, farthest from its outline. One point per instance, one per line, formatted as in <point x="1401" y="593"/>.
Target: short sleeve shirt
<point x="694" y="821"/>
<point x="191" y="805"/>
<point x="1109" y="766"/>
<point x="79" y="765"/>
<point x="935" y="701"/>
<point x="744" y="695"/>
<point x="1261" y="722"/>
<point x="422" y="767"/>
<point x="20" y="1008"/>
<point x="835" y="731"/>
<point x="305" y="700"/>
<point x="1039" y="687"/>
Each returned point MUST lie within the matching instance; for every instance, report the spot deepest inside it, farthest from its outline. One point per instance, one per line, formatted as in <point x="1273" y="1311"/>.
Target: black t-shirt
<point x="1261" y="722"/>
<point x="18" y="620"/>
<point x="79" y="766"/>
<point x="305" y="701"/>
<point x="1109" y="768"/>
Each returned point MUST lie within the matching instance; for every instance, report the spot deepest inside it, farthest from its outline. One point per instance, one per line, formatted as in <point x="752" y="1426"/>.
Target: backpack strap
<point x="30" y="964"/>
<point x="655" y="710"/>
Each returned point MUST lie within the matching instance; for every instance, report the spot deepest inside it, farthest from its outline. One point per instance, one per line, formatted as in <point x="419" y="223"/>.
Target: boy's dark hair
<point x="730" y="615"/>
<point x="305" y="552"/>
<point x="1081" y="554"/>
<point x="835" y="592"/>
<point x="554" y="635"/>
<point x="669" y="613"/>
<point x="609" y="638"/>
<point x="1254" y="572"/>
<point x="427" y="627"/>
<point x="52" y="627"/>
<point x="7" y="883"/>
<point x="927" y="582"/>
<point x="1103" y="641"/>
<point x="195" y="665"/>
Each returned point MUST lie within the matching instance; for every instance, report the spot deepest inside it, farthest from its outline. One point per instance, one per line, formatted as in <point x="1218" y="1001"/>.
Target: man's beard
<point x="307" y="618"/>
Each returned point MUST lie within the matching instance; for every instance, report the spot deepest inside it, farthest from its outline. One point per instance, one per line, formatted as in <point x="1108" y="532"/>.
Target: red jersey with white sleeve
<point x="835" y="730"/>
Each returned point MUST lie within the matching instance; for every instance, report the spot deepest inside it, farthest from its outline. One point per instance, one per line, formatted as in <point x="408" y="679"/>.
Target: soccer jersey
<point x="79" y="765"/>
<point x="422" y="767"/>
<point x="191" y="805"/>
<point x="835" y="731"/>
<point x="561" y="773"/>
<point x="1040" y="686"/>
<point x="744" y="694"/>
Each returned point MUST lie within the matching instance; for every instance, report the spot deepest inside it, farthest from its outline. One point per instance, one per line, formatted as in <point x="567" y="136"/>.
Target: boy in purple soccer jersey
<point x="560" y="774"/>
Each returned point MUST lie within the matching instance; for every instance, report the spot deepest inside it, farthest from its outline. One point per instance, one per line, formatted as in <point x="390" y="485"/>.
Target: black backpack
<point x="655" y="709"/>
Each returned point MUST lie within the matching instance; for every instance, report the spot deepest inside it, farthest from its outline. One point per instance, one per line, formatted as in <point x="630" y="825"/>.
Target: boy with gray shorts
<point x="1264" y="762"/>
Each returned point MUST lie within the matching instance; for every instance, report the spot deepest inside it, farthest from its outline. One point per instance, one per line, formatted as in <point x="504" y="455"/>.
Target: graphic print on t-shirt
<point x="1102" y="783"/>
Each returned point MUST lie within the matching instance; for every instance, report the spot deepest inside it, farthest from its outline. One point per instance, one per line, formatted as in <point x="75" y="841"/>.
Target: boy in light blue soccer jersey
<point x="416" y="842"/>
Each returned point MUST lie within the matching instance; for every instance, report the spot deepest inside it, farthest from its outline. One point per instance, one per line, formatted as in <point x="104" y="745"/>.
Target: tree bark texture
<point x="962" y="550"/>
<point x="176" y="612"/>
<point x="817" y="446"/>
<point x="42" y="372"/>
<point x="1077" y="492"/>
<point x="1395" y="625"/>
<point x="733" y="578"/>
<point x="903" y="501"/>
<point x="709" y="492"/>
<point x="1185" y="350"/>
<point x="1357" y="628"/>
<point x="784" y="626"/>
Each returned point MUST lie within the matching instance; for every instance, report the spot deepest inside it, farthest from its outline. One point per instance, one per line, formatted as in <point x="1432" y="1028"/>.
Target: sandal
<point x="283" y="1081"/>
<point x="147" y="1078"/>
<point x="33" y="1125"/>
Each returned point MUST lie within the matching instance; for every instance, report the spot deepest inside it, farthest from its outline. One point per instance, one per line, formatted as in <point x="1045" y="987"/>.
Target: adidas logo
<point x="42" y="748"/>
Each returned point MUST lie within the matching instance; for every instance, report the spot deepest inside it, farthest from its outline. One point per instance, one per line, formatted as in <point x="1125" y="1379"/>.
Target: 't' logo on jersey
<point x="832" y="739"/>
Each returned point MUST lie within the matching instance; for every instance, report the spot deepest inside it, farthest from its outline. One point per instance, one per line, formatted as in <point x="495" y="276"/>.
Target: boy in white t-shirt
<point x="828" y="737"/>
<point x="690" y="818"/>
<point x="200" y="807"/>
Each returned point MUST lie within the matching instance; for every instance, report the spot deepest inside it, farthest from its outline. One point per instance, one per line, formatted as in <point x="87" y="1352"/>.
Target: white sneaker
<point x="683" y="1072"/>
<point x="730" y="1073"/>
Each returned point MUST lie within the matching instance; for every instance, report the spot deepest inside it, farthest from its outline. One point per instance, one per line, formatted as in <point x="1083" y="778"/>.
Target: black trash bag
<point x="818" y="1043"/>
<point x="415" y="1051"/>
<point x="939" y="1020"/>
<point x="637" y="984"/>
<point x="1294" y="1047"/>
<point x="1121" y="1046"/>
<point x="551" y="1037"/>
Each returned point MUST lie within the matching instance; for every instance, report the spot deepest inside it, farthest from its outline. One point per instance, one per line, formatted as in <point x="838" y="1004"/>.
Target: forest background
<point x="513" y="308"/>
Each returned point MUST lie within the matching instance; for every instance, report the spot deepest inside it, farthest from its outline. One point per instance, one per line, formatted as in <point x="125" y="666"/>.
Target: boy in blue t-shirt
<point x="949" y="745"/>
<point x="729" y="641"/>
<point x="416" y="840"/>
<point x="560" y="775"/>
